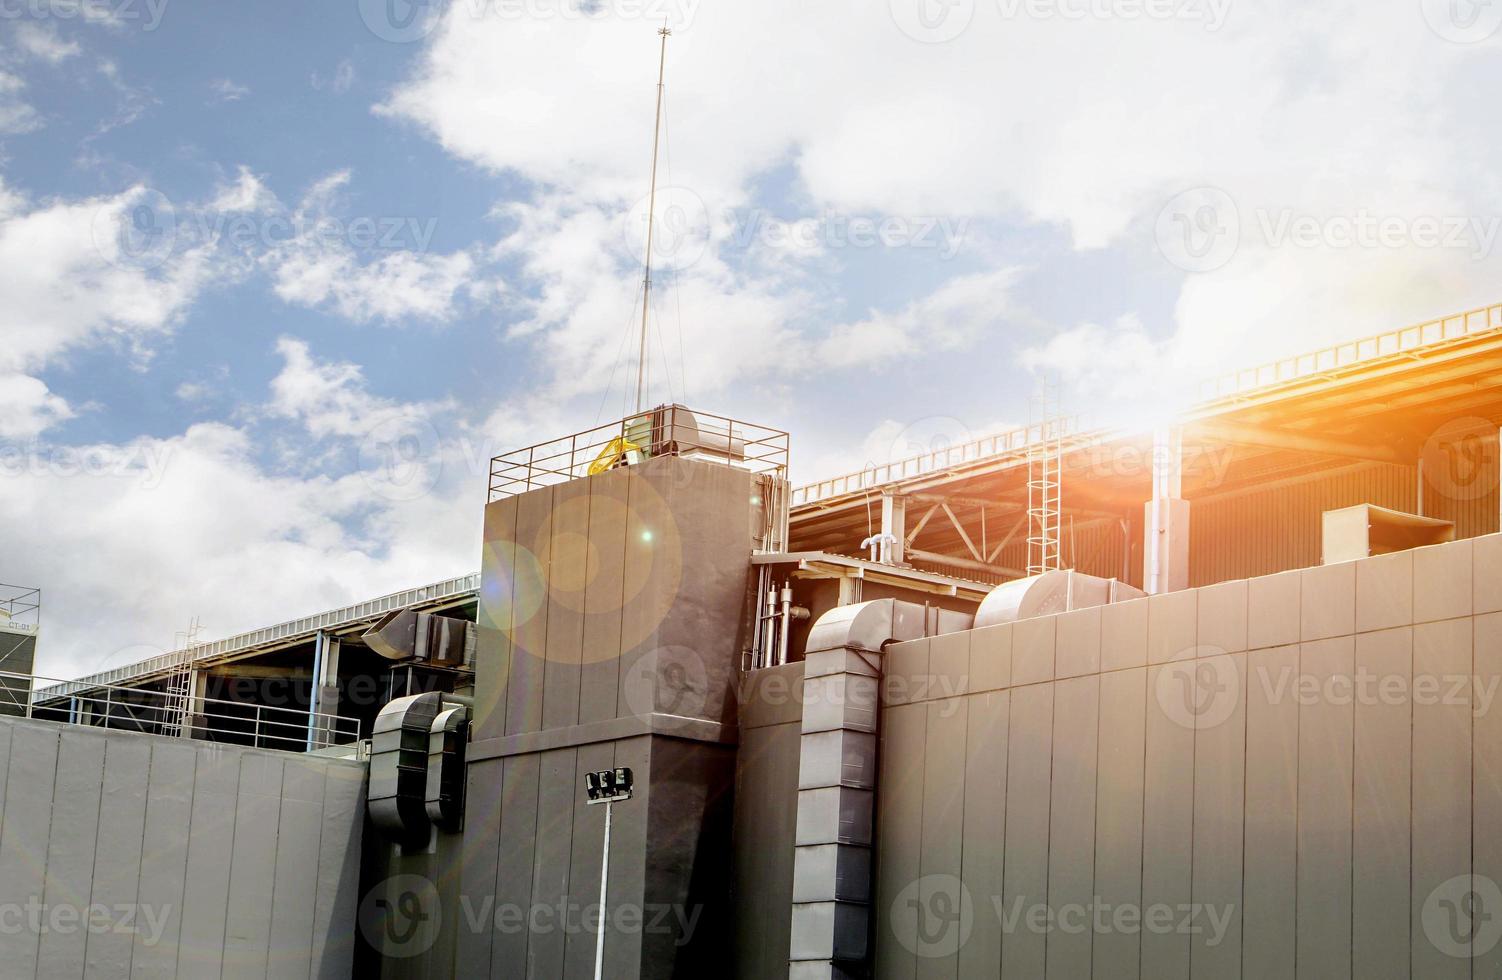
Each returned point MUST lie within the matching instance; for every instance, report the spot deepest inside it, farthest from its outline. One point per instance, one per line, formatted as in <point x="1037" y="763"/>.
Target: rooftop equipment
<point x="1366" y="529"/>
<point x="1061" y="590"/>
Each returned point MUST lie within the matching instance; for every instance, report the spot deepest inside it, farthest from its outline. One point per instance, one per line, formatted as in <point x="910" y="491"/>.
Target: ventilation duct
<point x="1051" y="592"/>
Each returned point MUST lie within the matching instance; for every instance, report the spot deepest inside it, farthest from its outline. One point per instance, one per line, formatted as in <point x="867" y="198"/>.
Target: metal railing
<point x="936" y="461"/>
<point x="1353" y="352"/>
<point x="668" y="430"/>
<point x="452" y="588"/>
<point x="138" y="709"/>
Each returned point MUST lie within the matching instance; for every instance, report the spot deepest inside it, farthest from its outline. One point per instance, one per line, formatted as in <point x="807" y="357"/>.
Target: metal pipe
<point x="604" y="878"/>
<point x="787" y="615"/>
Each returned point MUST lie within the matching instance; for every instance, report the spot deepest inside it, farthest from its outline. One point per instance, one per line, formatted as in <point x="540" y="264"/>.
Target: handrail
<point x="151" y="711"/>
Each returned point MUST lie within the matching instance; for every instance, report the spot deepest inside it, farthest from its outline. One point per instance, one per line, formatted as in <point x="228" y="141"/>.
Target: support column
<point x="893" y="528"/>
<point x="323" y="696"/>
<point x="1165" y="529"/>
<point x="832" y="886"/>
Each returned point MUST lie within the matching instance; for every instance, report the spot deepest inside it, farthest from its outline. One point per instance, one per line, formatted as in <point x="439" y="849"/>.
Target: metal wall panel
<point x="295" y="886"/>
<point x="604" y="597"/>
<point x="1167" y="822"/>
<point x="584" y="865"/>
<point x="1116" y="953"/>
<point x="1486" y="770"/>
<point x="69" y="855"/>
<point x="23" y="845"/>
<point x="1270" y="875"/>
<point x="495" y="616"/>
<point x="943" y="823"/>
<point x="558" y="797"/>
<point x="164" y="855"/>
<point x="117" y="856"/>
<point x="1071" y="838"/>
<point x="1219" y="822"/>
<point x="216" y="784"/>
<point x="1380" y="838"/>
<point x="513" y="884"/>
<point x="982" y="861"/>
<point x="529" y="633"/>
<point x="899" y="828"/>
<point x="1025" y="887"/>
<point x="1441" y="782"/>
<point x="568" y="581"/>
<point x="1326" y="753"/>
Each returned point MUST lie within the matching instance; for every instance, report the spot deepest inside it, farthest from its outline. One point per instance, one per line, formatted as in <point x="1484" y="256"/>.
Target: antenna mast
<point x="646" y="281"/>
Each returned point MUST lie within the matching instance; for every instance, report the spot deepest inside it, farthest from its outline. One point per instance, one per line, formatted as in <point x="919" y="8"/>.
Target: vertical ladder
<point x="1045" y="460"/>
<point x="179" y="701"/>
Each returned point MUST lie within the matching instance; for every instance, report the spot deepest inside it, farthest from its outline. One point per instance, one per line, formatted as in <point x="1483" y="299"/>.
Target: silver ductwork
<point x="1051" y="592"/>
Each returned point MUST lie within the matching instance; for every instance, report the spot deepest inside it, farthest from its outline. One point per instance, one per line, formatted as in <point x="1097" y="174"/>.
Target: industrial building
<point x="1057" y="702"/>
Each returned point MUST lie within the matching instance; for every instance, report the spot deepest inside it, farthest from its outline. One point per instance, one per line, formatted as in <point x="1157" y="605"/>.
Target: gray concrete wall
<point x="1296" y="775"/>
<point x="612" y="615"/>
<point x="766" y="819"/>
<point x="125" y="855"/>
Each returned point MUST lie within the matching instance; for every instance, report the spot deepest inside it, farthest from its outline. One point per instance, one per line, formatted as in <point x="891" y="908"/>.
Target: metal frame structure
<point x="665" y="430"/>
<point x="438" y="595"/>
<point x="151" y="711"/>
<point x="20" y="607"/>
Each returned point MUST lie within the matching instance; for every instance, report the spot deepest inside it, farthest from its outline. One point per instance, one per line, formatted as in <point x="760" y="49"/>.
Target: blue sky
<point x="248" y="247"/>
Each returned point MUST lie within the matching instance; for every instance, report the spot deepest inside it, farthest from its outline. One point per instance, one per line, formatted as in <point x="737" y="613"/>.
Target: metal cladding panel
<point x="513" y="884"/>
<point x="939" y="862"/>
<point x="479" y="854"/>
<point x="206" y="896"/>
<point x="1270" y="888"/>
<point x="1486" y="768"/>
<point x="899" y="825"/>
<point x="558" y="800"/>
<point x="1167" y="821"/>
<point x="604" y="596"/>
<point x="529" y="631"/>
<point x="117" y="854"/>
<point x="628" y="883"/>
<point x="1116" y="953"/>
<point x="1441" y="789"/>
<point x="295" y="887"/>
<point x="568" y="567"/>
<point x="338" y="871"/>
<point x="164" y="855"/>
<point x="1219" y="816"/>
<point x="1380" y="837"/>
<point x="70" y="847"/>
<point x="766" y="779"/>
<point x="1326" y="745"/>
<point x="252" y="880"/>
<point x="495" y="617"/>
<point x="1071" y="835"/>
<point x="982" y="864"/>
<point x="23" y="845"/>
<point x="1025" y="887"/>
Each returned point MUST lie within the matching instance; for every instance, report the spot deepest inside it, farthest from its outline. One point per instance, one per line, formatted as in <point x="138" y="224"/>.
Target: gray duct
<point x="417" y="767"/>
<point x="405" y="634"/>
<point x="1049" y="593"/>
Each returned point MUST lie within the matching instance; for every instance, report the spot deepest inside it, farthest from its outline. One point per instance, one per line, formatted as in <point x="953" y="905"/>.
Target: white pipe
<point x="787" y="615"/>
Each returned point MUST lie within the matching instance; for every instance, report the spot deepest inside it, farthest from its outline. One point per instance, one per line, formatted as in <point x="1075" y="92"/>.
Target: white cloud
<point x="320" y="267"/>
<point x="42" y="41"/>
<point x="16" y="115"/>
<point x="27" y="408"/>
<point x="246" y="194"/>
<point x="339" y="82"/>
<point x="227" y="90"/>
<point x="1085" y="126"/>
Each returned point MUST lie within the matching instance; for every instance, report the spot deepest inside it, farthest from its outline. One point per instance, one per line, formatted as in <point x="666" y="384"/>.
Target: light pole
<point x="608" y="786"/>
